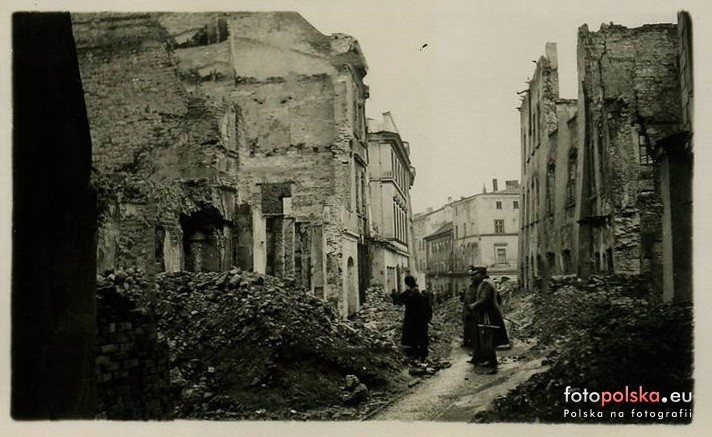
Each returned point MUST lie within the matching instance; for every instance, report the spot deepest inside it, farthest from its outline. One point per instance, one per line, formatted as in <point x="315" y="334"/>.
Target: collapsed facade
<point x="592" y="187"/>
<point x="230" y="139"/>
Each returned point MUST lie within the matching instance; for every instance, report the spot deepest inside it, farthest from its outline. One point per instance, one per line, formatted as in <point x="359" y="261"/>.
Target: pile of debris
<point x="380" y="314"/>
<point x="247" y="345"/>
<point x="601" y="334"/>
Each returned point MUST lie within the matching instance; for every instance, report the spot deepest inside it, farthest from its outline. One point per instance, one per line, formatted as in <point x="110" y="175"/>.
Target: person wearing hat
<point x="490" y="331"/>
<point x="418" y="313"/>
<point x="469" y="297"/>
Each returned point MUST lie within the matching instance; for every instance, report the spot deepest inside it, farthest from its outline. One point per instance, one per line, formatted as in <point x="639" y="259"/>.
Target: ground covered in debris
<point x="602" y="334"/>
<point x="249" y="346"/>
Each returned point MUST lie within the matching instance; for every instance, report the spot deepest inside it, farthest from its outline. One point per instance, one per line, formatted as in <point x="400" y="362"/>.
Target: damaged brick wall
<point x="265" y="96"/>
<point x="131" y="362"/>
<point x="160" y="150"/>
<point x="629" y="98"/>
<point x="543" y="126"/>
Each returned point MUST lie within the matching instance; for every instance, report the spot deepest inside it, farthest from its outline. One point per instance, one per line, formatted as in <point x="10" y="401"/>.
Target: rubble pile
<point x="618" y="284"/>
<point x="601" y="336"/>
<point x="380" y="314"/>
<point x="518" y="310"/>
<point x="246" y="345"/>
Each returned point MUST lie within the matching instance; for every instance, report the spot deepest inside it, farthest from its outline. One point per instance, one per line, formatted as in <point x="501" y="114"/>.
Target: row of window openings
<point x="400" y="222"/>
<point x="498" y="205"/>
<point x="644" y="156"/>
<point x="601" y="262"/>
<point x="400" y="173"/>
<point x="498" y="228"/>
<point x="532" y="206"/>
<point x="500" y="256"/>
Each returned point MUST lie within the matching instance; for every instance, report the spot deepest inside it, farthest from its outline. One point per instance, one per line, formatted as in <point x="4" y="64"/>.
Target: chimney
<point x="494" y="185"/>
<point x="449" y="199"/>
<point x="512" y="185"/>
<point x="551" y="54"/>
<point x="387" y="117"/>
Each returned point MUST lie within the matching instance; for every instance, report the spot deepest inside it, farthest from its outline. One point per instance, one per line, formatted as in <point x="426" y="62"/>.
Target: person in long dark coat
<point x="418" y="313"/>
<point x="490" y="331"/>
<point x="468" y="297"/>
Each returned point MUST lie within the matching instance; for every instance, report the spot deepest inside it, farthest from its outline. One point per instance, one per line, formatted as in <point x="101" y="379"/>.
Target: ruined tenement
<point x="550" y="174"/>
<point x="591" y="185"/>
<point x="229" y="139"/>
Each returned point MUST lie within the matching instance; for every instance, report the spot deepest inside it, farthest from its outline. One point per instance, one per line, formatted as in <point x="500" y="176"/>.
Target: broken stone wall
<point x="539" y="122"/>
<point x="289" y="137"/>
<point x="629" y="98"/>
<point x="153" y="141"/>
<point x="298" y="101"/>
<point x="562" y="173"/>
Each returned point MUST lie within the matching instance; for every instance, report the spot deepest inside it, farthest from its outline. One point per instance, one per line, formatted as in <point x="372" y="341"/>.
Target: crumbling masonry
<point x="228" y="139"/>
<point x="592" y="186"/>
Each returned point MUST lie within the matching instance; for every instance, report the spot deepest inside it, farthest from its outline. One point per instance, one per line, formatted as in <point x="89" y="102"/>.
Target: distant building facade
<point x="391" y="177"/>
<point x="438" y="248"/>
<point x="486" y="232"/>
<point x="482" y="229"/>
<point x="424" y="224"/>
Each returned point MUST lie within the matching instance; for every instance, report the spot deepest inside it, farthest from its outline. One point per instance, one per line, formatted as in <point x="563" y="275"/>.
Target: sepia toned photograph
<point x="456" y="213"/>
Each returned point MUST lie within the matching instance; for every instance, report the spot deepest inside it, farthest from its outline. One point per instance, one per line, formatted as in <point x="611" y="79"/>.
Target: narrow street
<point x="457" y="393"/>
<point x="299" y="215"/>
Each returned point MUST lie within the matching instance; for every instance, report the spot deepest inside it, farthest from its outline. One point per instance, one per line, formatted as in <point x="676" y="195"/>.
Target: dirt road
<point x="457" y="393"/>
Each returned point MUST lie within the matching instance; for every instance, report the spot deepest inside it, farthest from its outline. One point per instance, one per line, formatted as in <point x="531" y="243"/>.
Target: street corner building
<point x="607" y="177"/>
<point x="231" y="139"/>
<point x="391" y="177"/>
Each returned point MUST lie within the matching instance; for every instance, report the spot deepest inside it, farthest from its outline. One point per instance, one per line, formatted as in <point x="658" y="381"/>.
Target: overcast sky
<point x="455" y="99"/>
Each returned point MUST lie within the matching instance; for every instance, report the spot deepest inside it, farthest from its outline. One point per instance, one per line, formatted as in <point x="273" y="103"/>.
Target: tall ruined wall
<point x="561" y="226"/>
<point x="150" y="136"/>
<point x="629" y="97"/>
<point x="539" y="121"/>
<point x="289" y="101"/>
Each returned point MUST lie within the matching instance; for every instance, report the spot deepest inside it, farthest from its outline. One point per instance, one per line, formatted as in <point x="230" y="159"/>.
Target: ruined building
<point x="550" y="174"/>
<point x="674" y="160"/>
<point x="225" y="140"/>
<point x="391" y="176"/>
<point x="592" y="188"/>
